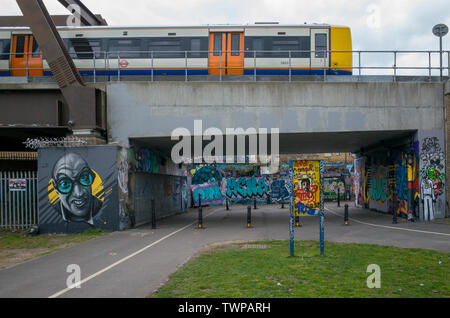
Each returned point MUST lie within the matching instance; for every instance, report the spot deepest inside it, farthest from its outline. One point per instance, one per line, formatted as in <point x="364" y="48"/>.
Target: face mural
<point x="78" y="189"/>
<point x="72" y="181"/>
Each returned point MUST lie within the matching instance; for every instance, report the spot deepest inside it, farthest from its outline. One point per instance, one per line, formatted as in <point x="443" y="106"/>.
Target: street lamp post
<point x="440" y="30"/>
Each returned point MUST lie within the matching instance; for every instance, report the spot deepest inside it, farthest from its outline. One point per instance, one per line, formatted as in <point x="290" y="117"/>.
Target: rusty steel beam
<point x="84" y="14"/>
<point x="81" y="100"/>
<point x="50" y="43"/>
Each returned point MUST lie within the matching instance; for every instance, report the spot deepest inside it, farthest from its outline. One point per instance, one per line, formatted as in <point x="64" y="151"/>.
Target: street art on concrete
<point x="411" y="180"/>
<point x="432" y="175"/>
<point x="331" y="188"/>
<point x="78" y="189"/>
<point x="207" y="194"/>
<point x="306" y="187"/>
<point x="379" y="192"/>
<point x="279" y="190"/>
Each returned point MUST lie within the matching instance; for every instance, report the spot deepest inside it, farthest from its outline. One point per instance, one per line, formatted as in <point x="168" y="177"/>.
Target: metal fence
<point x="390" y="63"/>
<point x="18" y="199"/>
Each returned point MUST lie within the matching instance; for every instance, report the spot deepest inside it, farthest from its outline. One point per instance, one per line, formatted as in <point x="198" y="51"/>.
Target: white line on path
<point x="126" y="258"/>
<point x="390" y="227"/>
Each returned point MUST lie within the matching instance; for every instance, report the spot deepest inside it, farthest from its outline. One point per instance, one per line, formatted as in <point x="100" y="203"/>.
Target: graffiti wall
<point x="432" y="174"/>
<point x="409" y="180"/>
<point x="331" y="188"/>
<point x="306" y="186"/>
<point x="280" y="190"/>
<point x="207" y="193"/>
<point x="78" y="189"/>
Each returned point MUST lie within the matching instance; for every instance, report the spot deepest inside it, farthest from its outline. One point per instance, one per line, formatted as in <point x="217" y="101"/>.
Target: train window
<point x="84" y="48"/>
<point x="20" y="46"/>
<point x="4" y="49"/>
<point x="278" y="46"/>
<point x="196" y="45"/>
<point x="235" y="44"/>
<point x="36" y="52"/>
<point x="217" y="44"/>
<point x="294" y="44"/>
<point x="321" y="45"/>
<point x="166" y="47"/>
<point x="125" y="48"/>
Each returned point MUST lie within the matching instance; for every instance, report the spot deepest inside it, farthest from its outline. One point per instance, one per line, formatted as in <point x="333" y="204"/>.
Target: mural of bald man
<point x="72" y="179"/>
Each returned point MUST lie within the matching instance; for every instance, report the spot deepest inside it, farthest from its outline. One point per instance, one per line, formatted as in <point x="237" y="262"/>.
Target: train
<point x="253" y="49"/>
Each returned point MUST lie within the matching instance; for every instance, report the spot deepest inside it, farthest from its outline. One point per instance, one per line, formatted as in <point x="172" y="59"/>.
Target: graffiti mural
<point x="331" y="188"/>
<point x="306" y="187"/>
<point x="432" y="175"/>
<point x="246" y="187"/>
<point x="78" y="189"/>
<point x="147" y="161"/>
<point x="279" y="190"/>
<point x="207" y="193"/>
<point x="359" y="181"/>
<point x="379" y="191"/>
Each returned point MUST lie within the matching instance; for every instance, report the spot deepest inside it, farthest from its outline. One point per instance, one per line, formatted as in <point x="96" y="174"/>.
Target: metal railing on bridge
<point x="115" y="63"/>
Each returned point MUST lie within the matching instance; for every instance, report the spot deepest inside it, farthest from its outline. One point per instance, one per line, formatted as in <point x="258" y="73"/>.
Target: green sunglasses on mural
<point x="65" y="184"/>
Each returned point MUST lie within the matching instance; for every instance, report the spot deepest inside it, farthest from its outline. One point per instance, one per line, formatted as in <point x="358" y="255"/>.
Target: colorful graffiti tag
<point x="306" y="187"/>
<point x="279" y="190"/>
<point x="246" y="187"/>
<point x="331" y="188"/>
<point x="432" y="174"/>
<point x="207" y="194"/>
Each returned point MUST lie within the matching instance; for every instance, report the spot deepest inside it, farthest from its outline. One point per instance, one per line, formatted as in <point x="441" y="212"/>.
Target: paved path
<point x="136" y="262"/>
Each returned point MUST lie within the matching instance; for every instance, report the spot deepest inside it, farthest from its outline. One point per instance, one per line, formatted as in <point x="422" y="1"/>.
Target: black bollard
<point x="268" y="199"/>
<point x="226" y="202"/>
<point x="153" y="207"/>
<point x="297" y="221"/>
<point x="254" y="203"/>
<point x="346" y="215"/>
<point x="249" y="216"/>
<point x="200" y="217"/>
<point x="282" y="205"/>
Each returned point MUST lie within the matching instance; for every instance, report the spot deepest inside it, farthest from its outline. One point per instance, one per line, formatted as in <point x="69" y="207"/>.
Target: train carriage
<point x="196" y="50"/>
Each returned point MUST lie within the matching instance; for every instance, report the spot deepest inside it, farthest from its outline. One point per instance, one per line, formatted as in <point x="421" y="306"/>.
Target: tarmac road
<point x="136" y="262"/>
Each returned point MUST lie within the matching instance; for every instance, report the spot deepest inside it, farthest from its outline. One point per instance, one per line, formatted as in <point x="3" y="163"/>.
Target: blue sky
<point x="375" y="24"/>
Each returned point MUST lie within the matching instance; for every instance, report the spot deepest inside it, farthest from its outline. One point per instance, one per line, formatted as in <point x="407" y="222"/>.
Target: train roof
<point x="205" y="26"/>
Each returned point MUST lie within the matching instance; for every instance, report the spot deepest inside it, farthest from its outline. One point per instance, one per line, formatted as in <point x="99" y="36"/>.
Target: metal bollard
<point x="226" y="202"/>
<point x="268" y="199"/>
<point x="346" y="215"/>
<point x="200" y="217"/>
<point x="282" y="205"/>
<point x="153" y="207"/>
<point x="254" y="203"/>
<point x="297" y="221"/>
<point x="249" y="216"/>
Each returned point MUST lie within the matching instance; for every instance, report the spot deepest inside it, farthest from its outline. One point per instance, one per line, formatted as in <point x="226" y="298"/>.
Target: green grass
<point x="16" y="247"/>
<point x="235" y="272"/>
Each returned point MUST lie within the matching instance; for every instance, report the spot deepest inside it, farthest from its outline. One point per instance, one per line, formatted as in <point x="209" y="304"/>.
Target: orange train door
<point x="226" y="53"/>
<point x="25" y="55"/>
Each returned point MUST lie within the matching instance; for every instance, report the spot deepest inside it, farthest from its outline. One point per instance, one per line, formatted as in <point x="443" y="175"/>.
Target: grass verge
<point x="17" y="247"/>
<point x="265" y="269"/>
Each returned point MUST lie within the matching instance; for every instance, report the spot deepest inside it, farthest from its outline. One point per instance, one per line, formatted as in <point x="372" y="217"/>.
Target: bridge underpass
<point x="384" y="124"/>
<point x="378" y="121"/>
